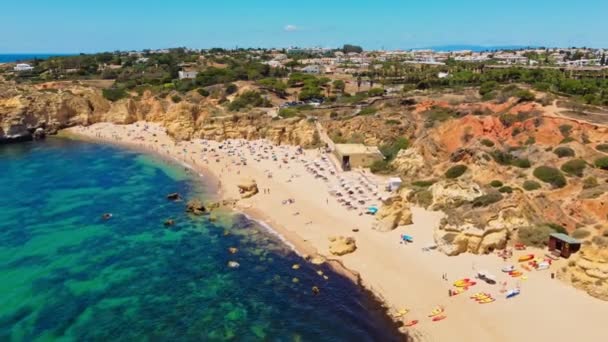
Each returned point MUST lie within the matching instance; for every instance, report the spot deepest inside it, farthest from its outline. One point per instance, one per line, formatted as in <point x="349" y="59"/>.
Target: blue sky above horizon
<point x="68" y="26"/>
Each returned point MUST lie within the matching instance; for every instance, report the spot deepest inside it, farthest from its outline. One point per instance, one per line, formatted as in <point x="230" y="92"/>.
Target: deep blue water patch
<point x="67" y="274"/>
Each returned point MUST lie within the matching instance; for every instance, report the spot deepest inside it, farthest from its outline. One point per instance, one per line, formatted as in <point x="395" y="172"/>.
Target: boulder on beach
<point x="248" y="188"/>
<point x="196" y="207"/>
<point x="174" y="196"/>
<point x="342" y="245"/>
<point x="394" y="212"/>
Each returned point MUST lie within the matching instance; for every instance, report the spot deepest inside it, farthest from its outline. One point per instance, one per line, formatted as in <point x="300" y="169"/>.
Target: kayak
<point x="462" y="282"/>
<point x="439" y="318"/>
<point x="411" y="323"/>
<point x="487" y="300"/>
<point x="400" y="313"/>
<point x="436" y="312"/>
<point x="525" y="258"/>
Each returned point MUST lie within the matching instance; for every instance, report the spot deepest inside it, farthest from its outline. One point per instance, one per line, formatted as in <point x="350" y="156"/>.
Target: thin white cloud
<point x="290" y="28"/>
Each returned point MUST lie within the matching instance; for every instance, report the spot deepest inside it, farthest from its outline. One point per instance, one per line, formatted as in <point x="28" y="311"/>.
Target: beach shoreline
<point x="397" y="275"/>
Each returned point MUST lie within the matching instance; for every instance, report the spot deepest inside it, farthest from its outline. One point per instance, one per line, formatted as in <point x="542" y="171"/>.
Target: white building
<point x="187" y="74"/>
<point x="23" y="67"/>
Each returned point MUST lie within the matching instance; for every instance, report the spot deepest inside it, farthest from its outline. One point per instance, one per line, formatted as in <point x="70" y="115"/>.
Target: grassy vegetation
<point x="531" y="185"/>
<point x="564" y="151"/>
<point x="574" y="167"/>
<point x="550" y="175"/>
<point x="438" y="114"/>
<point x="456" y="171"/>
<point x="581" y="233"/>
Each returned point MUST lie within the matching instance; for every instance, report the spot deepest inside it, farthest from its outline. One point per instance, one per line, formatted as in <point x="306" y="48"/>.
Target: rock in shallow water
<point x="196" y="207"/>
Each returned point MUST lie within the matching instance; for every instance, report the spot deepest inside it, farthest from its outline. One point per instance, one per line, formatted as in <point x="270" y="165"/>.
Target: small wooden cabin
<point x="566" y="245"/>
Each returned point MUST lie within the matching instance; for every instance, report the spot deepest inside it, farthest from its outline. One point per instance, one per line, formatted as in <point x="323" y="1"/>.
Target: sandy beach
<point x="296" y="200"/>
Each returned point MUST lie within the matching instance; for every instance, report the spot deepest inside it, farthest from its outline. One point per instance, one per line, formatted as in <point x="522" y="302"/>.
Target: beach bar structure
<point x="563" y="243"/>
<point x="357" y="155"/>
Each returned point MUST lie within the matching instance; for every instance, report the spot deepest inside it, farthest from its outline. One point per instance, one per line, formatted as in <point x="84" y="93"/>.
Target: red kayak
<point x="411" y="323"/>
<point x="439" y="318"/>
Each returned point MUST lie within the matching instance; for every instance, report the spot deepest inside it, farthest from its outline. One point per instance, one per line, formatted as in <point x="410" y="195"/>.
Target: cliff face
<point x="23" y="109"/>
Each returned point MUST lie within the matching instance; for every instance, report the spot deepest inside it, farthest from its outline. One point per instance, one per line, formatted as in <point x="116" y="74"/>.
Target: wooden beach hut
<point x="563" y="243"/>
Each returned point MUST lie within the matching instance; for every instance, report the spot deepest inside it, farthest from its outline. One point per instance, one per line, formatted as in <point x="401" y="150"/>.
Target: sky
<point x="70" y="26"/>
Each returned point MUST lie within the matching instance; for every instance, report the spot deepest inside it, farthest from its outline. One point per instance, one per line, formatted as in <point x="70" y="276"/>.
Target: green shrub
<point x="522" y="163"/>
<point x="368" y="111"/>
<point x="602" y="148"/>
<point x="530" y="141"/>
<point x="530" y="185"/>
<point x="602" y="163"/>
<point x="249" y="99"/>
<point x="231" y="88"/>
<point x="456" y="171"/>
<point x="590" y="182"/>
<point x="550" y="175"/>
<point x="564" y="151"/>
<point x="525" y="95"/>
<point x="557" y="228"/>
<point x="485" y="200"/>
<point x="390" y="150"/>
<point x="375" y="92"/>
<point x="565" y="130"/>
<point x="176" y="99"/>
<point x="424" y="198"/>
<point x="381" y="166"/>
<point x="574" y="167"/>
<point x="537" y="236"/>
<point x="567" y="140"/>
<point x="580" y="233"/>
<point x="289" y="113"/>
<point x="487" y="87"/>
<point x="203" y="92"/>
<point x="114" y="94"/>
<point x="496" y="184"/>
<point x="487" y="142"/>
<point x="392" y="122"/>
<point x="506" y="190"/>
<point x="424" y="183"/>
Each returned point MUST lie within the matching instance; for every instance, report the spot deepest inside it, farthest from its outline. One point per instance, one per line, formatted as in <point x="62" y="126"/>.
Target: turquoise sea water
<point x="66" y="274"/>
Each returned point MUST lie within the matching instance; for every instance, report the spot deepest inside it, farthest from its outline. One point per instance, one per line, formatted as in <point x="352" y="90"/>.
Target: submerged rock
<point x="196" y="207"/>
<point x="169" y="222"/>
<point x="174" y="196"/>
<point x="106" y="216"/>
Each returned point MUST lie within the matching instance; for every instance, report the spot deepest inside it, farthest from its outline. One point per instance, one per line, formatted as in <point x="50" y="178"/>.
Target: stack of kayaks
<point x="483" y="298"/>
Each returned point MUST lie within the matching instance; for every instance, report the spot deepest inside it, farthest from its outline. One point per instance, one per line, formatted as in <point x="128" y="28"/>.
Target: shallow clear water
<point x="65" y="274"/>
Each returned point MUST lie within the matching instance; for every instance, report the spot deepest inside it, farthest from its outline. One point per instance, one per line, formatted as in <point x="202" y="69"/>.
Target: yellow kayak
<point x="401" y="313"/>
<point x="436" y="312"/>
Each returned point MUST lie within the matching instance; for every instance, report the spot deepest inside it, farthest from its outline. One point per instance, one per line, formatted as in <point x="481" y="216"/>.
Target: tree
<point x="347" y="48"/>
<point x="339" y="86"/>
<point x="359" y="80"/>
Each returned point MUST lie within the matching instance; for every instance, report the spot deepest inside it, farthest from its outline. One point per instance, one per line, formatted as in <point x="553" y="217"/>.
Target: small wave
<point x="273" y="232"/>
